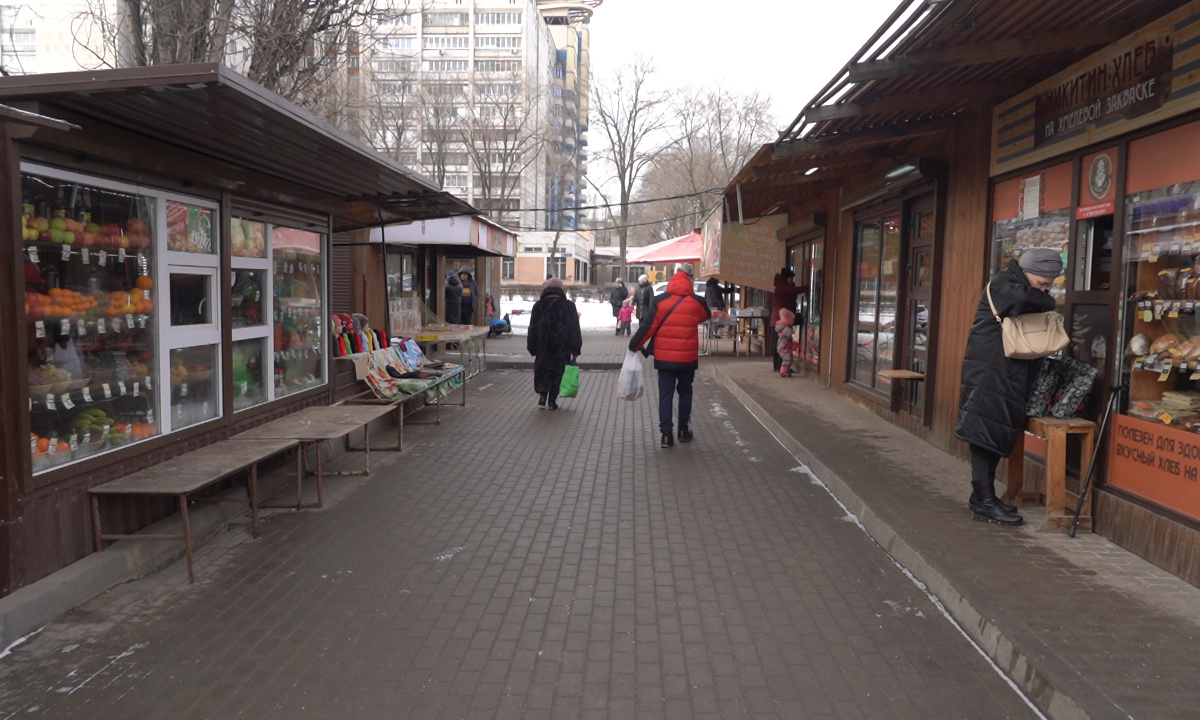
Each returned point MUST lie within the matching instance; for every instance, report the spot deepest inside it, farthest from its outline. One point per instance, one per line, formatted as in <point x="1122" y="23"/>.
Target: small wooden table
<point x="316" y="425"/>
<point x="1055" y="431"/>
<point x="186" y="474"/>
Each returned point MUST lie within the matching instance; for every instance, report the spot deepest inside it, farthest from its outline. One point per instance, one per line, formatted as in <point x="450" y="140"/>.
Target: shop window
<point x="556" y="267"/>
<point x="807" y="260"/>
<point x="249" y="373"/>
<point x="250" y="312"/>
<point x="298" y="310"/>
<point x="876" y="286"/>
<point x="90" y="306"/>
<point x="195" y="395"/>
<point x="1032" y="211"/>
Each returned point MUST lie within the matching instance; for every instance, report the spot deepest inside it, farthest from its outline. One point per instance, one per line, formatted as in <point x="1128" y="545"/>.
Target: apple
<point x="144" y="243"/>
<point x="44" y="235"/>
<point x="134" y="226"/>
<point x="121" y="241"/>
<point x="56" y="235"/>
<point x="58" y="224"/>
<point x="41" y="223"/>
<point x="111" y="229"/>
<point x="93" y="228"/>
<point x="30" y="233"/>
<point x="89" y="238"/>
<point x="68" y="237"/>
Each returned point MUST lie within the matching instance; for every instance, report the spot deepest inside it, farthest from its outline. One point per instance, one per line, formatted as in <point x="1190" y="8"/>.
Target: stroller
<point x="499" y="326"/>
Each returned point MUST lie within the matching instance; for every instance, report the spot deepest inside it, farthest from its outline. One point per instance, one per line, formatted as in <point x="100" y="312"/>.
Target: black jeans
<point x="983" y="465"/>
<point x="670" y="382"/>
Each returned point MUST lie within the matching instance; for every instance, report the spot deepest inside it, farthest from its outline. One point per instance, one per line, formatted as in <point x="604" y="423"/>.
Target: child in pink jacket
<point x="783" y="329"/>
<point x="625" y="317"/>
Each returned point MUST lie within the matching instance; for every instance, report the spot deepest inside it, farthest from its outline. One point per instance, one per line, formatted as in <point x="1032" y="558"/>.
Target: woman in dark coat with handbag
<point x="554" y="338"/>
<point x="991" y="404"/>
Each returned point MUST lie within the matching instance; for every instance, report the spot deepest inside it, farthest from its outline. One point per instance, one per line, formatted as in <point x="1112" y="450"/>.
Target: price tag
<point x="1195" y="374"/>
<point x="1176" y="248"/>
<point x="244" y="388"/>
<point x="1166" y="371"/>
<point x="142" y="321"/>
<point x="116" y="323"/>
<point x="107" y="391"/>
<point x="1154" y="250"/>
<point x="101" y="326"/>
<point x="74" y="442"/>
<point x="149" y="384"/>
<point x="179" y="412"/>
<point x="121" y="387"/>
<point x="66" y="252"/>
<point x="50" y="405"/>
<point x="120" y="254"/>
<point x="103" y="257"/>
<point x="183" y="389"/>
<point x="33" y="255"/>
<point x="137" y="389"/>
<point x="81" y="327"/>
<point x="150" y="416"/>
<point x="87" y="394"/>
<point x="53" y="445"/>
<point x="1176" y="352"/>
<point x="1166" y="418"/>
<point x="33" y="445"/>
<point x="204" y="408"/>
<point x="1139" y="363"/>
<point x="84" y="255"/>
<point x="129" y="320"/>
<point x="1158" y="309"/>
<point x="66" y="400"/>
<point x="87" y="438"/>
<point x="105" y="431"/>
<point x="64" y="326"/>
<point x="39" y="329"/>
<point x="128" y="430"/>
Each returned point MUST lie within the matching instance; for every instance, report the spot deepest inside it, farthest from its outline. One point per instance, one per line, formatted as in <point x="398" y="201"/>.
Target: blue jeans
<point x="670" y="382"/>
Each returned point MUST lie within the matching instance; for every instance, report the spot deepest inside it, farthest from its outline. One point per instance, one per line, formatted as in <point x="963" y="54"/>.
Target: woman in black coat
<point x="616" y="298"/>
<point x="991" y="404"/>
<point x="554" y="338"/>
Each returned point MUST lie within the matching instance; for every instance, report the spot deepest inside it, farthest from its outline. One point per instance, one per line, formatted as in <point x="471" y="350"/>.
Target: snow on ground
<point x="593" y="315"/>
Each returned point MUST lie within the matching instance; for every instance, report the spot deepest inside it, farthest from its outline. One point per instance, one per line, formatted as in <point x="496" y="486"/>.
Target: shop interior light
<point x="811" y="170"/>
<point x="902" y="170"/>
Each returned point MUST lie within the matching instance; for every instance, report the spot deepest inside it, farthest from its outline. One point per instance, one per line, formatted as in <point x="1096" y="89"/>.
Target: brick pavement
<point x="1085" y="627"/>
<point x="523" y="563"/>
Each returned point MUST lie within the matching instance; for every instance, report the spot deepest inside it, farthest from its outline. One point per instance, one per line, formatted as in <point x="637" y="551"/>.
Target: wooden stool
<point x="1055" y="431"/>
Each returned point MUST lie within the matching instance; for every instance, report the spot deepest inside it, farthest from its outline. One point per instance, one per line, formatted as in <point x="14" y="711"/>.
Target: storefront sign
<point x="1157" y="462"/>
<point x="1129" y="82"/>
<point x="750" y="252"/>
<point x="710" y="243"/>
<point x="1129" y="85"/>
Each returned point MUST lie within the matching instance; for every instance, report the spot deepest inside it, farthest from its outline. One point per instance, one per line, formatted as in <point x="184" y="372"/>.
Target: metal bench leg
<point x="187" y="536"/>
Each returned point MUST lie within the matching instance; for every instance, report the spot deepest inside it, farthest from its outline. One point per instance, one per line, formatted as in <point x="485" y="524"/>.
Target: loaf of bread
<point x="1163" y="343"/>
<point x="1190" y="349"/>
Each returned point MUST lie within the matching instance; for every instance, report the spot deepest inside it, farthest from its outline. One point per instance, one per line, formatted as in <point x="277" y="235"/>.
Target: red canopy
<point x="675" y="250"/>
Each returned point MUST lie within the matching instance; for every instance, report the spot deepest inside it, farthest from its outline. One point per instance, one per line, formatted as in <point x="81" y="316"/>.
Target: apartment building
<point x="485" y="96"/>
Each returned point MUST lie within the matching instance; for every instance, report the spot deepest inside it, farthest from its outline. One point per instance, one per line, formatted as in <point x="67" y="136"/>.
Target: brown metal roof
<point x="246" y="130"/>
<point x="930" y="61"/>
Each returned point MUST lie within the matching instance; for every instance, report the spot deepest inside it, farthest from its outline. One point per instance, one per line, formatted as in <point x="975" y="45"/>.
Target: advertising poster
<point x="710" y="244"/>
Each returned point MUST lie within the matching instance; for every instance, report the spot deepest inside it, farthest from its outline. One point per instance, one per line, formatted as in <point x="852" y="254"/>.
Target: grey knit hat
<point x="687" y="268"/>
<point x="643" y="278"/>
<point x="1043" y="261"/>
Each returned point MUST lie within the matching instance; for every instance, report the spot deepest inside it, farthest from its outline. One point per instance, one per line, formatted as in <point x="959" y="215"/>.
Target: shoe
<point x="985" y="508"/>
<point x="552" y="404"/>
<point x="685" y="433"/>
<point x="1001" y="503"/>
<point x="542" y="401"/>
<point x="668" y="440"/>
<point x="785" y="372"/>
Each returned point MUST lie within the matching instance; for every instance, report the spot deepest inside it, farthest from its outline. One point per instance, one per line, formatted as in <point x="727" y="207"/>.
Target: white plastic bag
<point x="632" y="382"/>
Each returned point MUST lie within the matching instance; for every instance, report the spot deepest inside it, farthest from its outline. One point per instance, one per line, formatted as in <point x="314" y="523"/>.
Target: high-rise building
<point x="485" y="97"/>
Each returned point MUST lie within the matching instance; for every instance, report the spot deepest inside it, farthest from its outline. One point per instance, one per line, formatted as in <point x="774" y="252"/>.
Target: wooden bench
<point x="1055" y="432"/>
<point x="397" y="404"/>
<point x="317" y="425"/>
<point x="186" y="474"/>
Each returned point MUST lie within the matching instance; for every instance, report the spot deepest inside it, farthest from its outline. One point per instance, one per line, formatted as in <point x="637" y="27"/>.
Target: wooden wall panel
<point x="965" y="252"/>
<point x="1168" y="544"/>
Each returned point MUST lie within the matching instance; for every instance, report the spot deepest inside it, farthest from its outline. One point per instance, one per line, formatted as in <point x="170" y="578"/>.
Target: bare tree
<point x="633" y="117"/>
<point x="505" y="129"/>
<point x="301" y="49"/>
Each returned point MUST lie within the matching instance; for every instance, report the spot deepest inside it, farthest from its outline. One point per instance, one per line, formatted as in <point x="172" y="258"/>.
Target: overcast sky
<point x="786" y="48"/>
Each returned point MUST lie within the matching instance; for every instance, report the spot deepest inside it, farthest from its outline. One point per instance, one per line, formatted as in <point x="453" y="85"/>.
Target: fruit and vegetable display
<point x="90" y="316"/>
<point x="298" y="326"/>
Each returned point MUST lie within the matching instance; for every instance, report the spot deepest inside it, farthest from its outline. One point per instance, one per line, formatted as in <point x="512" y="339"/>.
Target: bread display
<point x="1139" y="345"/>
<point x="1164" y="343"/>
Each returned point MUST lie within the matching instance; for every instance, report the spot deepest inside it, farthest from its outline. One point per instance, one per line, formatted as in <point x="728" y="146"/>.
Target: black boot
<point x="685" y="433"/>
<point x="986" y="508"/>
<point x="1005" y="506"/>
<point x="541" y="399"/>
<point x="668" y="440"/>
<point x="550" y="402"/>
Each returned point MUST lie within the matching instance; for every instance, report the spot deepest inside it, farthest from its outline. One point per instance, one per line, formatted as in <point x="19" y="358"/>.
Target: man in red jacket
<point x="672" y="324"/>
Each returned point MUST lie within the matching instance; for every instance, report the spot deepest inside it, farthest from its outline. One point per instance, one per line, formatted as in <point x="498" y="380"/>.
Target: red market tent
<point x="676" y="250"/>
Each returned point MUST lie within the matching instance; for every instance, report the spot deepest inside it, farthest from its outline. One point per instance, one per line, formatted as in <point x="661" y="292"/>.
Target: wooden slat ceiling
<point x="210" y="110"/>
<point x="927" y="63"/>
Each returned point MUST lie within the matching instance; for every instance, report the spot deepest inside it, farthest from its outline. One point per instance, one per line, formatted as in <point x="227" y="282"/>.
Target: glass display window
<point x="249" y="238"/>
<point x="1032" y="211"/>
<point x="190" y="228"/>
<point x="250" y="386"/>
<point x="193" y="297"/>
<point x="298" y="310"/>
<point x="807" y="259"/>
<point x="247" y="298"/>
<point x="877" y="277"/>
<point x="91" y="313"/>
<point x="195" y="394"/>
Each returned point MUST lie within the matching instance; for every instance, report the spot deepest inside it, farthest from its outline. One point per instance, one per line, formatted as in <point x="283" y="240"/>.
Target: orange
<point x="62" y="447"/>
<point x="144" y="282"/>
<point x="43" y="445"/>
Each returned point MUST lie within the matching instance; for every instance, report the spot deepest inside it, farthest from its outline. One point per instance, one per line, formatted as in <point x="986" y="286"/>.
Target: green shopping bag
<point x="570" y="382"/>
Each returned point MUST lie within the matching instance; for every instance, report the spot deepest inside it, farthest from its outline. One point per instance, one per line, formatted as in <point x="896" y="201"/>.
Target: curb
<point x="1017" y="666"/>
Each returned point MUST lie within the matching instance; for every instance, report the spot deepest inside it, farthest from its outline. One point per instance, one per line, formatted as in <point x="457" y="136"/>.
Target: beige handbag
<point x="1031" y="336"/>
